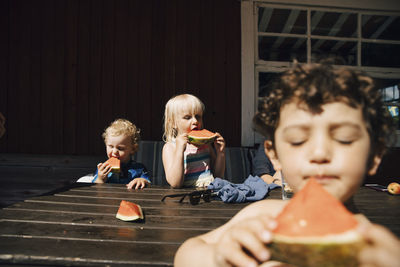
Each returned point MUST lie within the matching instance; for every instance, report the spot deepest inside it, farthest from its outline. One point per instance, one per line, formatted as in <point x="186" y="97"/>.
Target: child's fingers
<point x="248" y="239"/>
<point x="382" y="247"/>
<point x="103" y="166"/>
<point x="219" y="137"/>
<point x="381" y="236"/>
<point x="252" y="243"/>
<point x="232" y="254"/>
<point x="129" y="186"/>
<point x="183" y="136"/>
<point x="139" y="185"/>
<point x="107" y="167"/>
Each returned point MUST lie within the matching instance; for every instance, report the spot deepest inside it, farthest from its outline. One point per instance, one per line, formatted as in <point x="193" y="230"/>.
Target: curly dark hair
<point x="314" y="85"/>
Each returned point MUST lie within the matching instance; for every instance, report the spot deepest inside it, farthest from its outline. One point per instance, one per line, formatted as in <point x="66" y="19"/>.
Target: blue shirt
<point x="128" y="172"/>
<point x="261" y="163"/>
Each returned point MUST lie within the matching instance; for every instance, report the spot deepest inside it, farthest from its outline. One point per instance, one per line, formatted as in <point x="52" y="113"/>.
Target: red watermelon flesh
<point x="115" y="164"/>
<point x="201" y="137"/>
<point x="315" y="229"/>
<point x="129" y="211"/>
<point x="314" y="212"/>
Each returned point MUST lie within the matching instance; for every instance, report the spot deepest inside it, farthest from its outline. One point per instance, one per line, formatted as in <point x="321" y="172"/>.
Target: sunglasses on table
<point x="194" y="197"/>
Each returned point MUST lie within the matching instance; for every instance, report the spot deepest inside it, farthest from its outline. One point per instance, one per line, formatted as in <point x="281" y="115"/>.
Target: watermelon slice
<point x="129" y="211"/>
<point x="115" y="164"/>
<point x="201" y="137"/>
<point x="315" y="229"/>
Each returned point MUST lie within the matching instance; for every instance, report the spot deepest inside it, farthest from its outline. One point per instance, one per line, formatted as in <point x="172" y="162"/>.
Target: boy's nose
<point x="320" y="151"/>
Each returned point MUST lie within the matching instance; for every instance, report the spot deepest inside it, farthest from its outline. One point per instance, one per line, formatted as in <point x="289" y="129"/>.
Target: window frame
<point x="252" y="65"/>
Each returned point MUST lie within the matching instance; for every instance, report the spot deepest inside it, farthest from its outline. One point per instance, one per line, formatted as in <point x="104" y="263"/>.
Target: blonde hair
<point x="175" y="106"/>
<point x="123" y="127"/>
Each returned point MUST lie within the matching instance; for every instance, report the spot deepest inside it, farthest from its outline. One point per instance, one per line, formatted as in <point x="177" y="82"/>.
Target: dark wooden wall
<point x="68" y="68"/>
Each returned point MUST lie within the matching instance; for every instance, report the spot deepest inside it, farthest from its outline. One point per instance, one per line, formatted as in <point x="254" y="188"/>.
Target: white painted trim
<point x="381" y="5"/>
<point x="251" y="65"/>
<point x="248" y="94"/>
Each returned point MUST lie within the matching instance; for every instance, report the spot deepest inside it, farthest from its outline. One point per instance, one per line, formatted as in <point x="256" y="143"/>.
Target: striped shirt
<point x="197" y="167"/>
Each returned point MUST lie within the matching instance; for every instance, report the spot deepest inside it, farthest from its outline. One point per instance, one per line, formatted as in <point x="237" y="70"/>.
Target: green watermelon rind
<point x="201" y="140"/>
<point x="331" y="251"/>
<point x="126" y="218"/>
<point x="115" y="170"/>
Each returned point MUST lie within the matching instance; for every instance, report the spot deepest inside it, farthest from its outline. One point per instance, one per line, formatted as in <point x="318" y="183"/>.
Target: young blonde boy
<point x="121" y="139"/>
<point x="320" y="122"/>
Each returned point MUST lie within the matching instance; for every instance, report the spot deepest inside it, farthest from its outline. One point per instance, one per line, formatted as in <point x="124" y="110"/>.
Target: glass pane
<point x="381" y="27"/>
<point x="390" y="95"/>
<point x="380" y="55"/>
<point x="333" y="24"/>
<point x="265" y="80"/>
<point x="394" y="112"/>
<point x="340" y="52"/>
<point x="282" y="20"/>
<point x="282" y="49"/>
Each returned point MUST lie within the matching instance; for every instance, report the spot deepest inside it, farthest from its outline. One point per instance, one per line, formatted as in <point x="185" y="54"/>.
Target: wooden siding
<point x="68" y="68"/>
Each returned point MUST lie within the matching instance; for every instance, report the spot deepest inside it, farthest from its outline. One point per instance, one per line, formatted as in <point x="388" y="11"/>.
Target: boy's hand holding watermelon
<point x="111" y="165"/>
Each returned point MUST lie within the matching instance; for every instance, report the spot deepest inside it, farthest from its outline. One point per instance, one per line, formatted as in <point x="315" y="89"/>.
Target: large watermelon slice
<point x="315" y="229"/>
<point x="201" y="137"/>
<point x="129" y="211"/>
<point x="115" y="164"/>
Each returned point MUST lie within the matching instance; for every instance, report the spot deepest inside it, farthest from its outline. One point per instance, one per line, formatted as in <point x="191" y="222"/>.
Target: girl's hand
<point x="138" y="183"/>
<point x="103" y="169"/>
<point x="219" y="143"/>
<point x="382" y="247"/>
<point x="181" y="141"/>
<point x="244" y="244"/>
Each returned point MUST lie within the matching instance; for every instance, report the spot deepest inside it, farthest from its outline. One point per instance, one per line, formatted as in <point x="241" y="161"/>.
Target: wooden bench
<point x="238" y="162"/>
<point x="26" y="175"/>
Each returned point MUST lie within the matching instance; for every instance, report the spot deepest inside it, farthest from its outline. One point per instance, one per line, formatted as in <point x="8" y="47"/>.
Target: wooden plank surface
<point x="78" y="252"/>
<point x="101" y="233"/>
<point x="77" y="226"/>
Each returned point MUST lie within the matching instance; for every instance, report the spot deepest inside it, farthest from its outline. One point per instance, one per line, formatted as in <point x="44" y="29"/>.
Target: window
<point x="281" y="34"/>
<point x="390" y="95"/>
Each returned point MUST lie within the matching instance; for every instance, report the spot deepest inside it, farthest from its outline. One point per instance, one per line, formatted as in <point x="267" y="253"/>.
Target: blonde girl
<point x="186" y="164"/>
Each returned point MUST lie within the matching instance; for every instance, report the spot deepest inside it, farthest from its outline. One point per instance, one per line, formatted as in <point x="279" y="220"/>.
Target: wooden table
<point x="78" y="227"/>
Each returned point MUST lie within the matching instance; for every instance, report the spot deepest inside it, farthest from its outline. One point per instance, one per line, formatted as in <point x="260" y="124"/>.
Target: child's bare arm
<point x="218" y="159"/>
<point x="172" y="156"/>
<point x="240" y="242"/>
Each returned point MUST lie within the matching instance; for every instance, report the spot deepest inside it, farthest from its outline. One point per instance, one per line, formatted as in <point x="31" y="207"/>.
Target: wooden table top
<point x="78" y="227"/>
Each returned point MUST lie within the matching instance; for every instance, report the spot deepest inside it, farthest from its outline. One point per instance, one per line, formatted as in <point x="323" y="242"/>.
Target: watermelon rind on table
<point x="315" y="229"/>
<point x="115" y="164"/>
<point x="129" y="211"/>
<point x="201" y="137"/>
